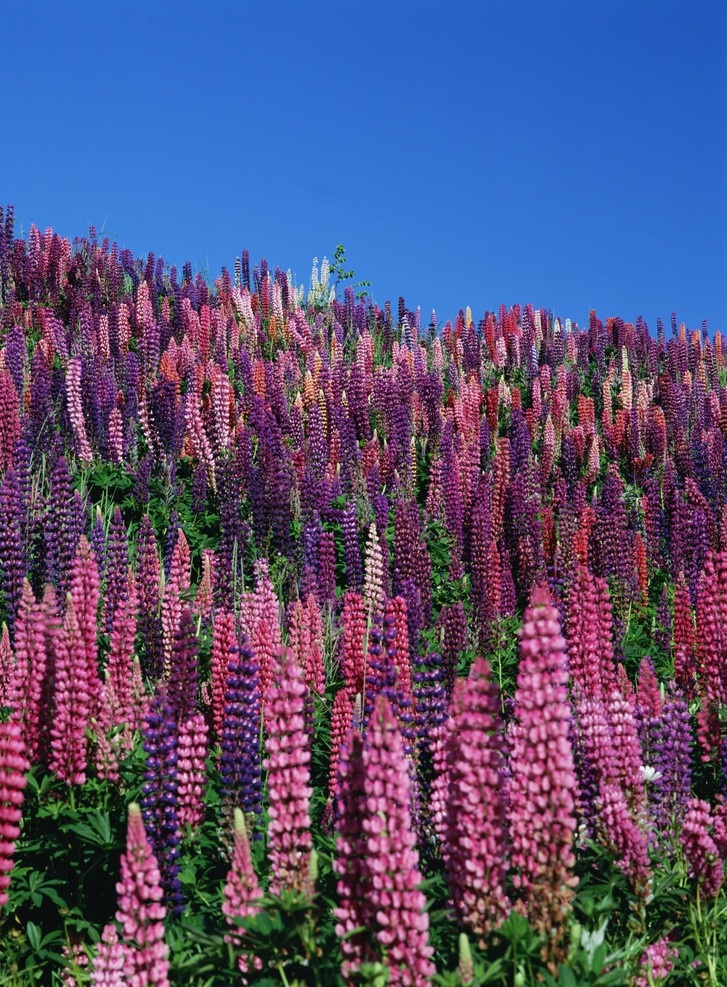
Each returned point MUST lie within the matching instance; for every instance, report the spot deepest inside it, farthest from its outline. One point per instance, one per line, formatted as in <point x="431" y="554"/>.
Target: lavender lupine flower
<point x="240" y="769"/>
<point x="474" y="841"/>
<point x="289" y="791"/>
<point x="673" y="763"/>
<point x="543" y="782"/>
<point x="13" y="766"/>
<point x="377" y="862"/>
<point x="183" y="676"/>
<point x="160" y="794"/>
<point x="61" y="530"/>
<point x="141" y="909"/>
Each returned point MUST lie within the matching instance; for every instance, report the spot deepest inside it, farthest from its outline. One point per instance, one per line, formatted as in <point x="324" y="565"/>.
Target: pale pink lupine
<point x="305" y="629"/>
<point x="13" y="765"/>
<point x="141" y="910"/>
<point x="192" y="742"/>
<point x="289" y="791"/>
<point x="71" y="700"/>
<point x="75" y="408"/>
<point x="110" y="960"/>
<point x="376" y="861"/>
<point x="543" y="782"/>
<point x="374" y="592"/>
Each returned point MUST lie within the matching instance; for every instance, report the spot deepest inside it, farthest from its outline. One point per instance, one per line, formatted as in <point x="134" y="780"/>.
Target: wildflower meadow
<point x="340" y="647"/>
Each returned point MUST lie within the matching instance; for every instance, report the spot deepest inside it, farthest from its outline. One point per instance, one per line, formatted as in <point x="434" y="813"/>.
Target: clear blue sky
<point x="568" y="154"/>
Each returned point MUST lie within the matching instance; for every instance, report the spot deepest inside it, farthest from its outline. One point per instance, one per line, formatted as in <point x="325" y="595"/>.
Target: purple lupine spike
<point x="474" y="842"/>
<point x="288" y="767"/>
<point x="148" y="615"/>
<point x="160" y="796"/>
<point x="351" y="548"/>
<point x="672" y="760"/>
<point x="183" y="677"/>
<point x="326" y="568"/>
<point x="61" y="530"/>
<point x="240" y="762"/>
<point x="12" y="562"/>
<point x="453" y="621"/>
<point x="117" y="564"/>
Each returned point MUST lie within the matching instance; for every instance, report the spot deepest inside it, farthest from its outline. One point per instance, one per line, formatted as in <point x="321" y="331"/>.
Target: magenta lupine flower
<point x="543" y="782"/>
<point x="289" y="791"/>
<point x="7" y="664"/>
<point x="191" y="754"/>
<point x="377" y="861"/>
<point x="474" y="843"/>
<point x="625" y="837"/>
<point x="84" y="591"/>
<point x="700" y="850"/>
<point x="712" y="646"/>
<point x="657" y="962"/>
<point x="629" y="757"/>
<point x="242" y="892"/>
<point x="69" y="747"/>
<point x="110" y="960"/>
<point x="13" y="766"/>
<point x="261" y="623"/>
<point x="223" y="641"/>
<point x="141" y="910"/>
<point x="26" y="692"/>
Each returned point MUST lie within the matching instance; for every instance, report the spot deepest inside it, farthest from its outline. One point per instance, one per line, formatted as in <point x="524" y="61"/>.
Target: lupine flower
<point x="657" y="962"/>
<point x="289" y="791"/>
<point x="242" y="892"/>
<point x="474" y="842"/>
<point x="13" y="766"/>
<point x="160" y="794"/>
<point x="377" y="862"/>
<point x="240" y="777"/>
<point x="141" y="910"/>
<point x="624" y="837"/>
<point x="542" y="783"/>
<point x="191" y="754"/>
<point x="110" y="960"/>
<point x="700" y="850"/>
<point x="69" y="746"/>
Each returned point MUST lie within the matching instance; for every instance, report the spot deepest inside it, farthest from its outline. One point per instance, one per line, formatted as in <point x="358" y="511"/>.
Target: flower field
<point x="343" y="648"/>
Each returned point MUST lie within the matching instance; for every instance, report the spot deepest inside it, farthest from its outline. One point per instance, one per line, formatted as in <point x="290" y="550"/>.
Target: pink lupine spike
<point x="396" y="611"/>
<point x="543" y="782"/>
<point x="180" y="568"/>
<point x="27" y="687"/>
<point x="69" y="747"/>
<point x="624" y="836"/>
<point x="191" y="753"/>
<point x="141" y="909"/>
<point x="242" y="892"/>
<point x="377" y="861"/>
<point x="289" y="791"/>
<point x="353" y="661"/>
<point x="204" y="598"/>
<point x="685" y="638"/>
<point x="712" y="647"/>
<point x="474" y="825"/>
<point x="110" y="960"/>
<point x="85" y="583"/>
<point x="260" y="617"/>
<point x="584" y="645"/>
<point x="13" y="765"/>
<point x="74" y="398"/>
<point x="306" y="641"/>
<point x="700" y="850"/>
<point x="119" y="674"/>
<point x="627" y="749"/>
<point x="223" y="641"/>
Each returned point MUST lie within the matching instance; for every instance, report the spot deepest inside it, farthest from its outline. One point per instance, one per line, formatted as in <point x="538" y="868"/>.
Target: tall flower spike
<point x="242" y="892"/>
<point x="289" y="791"/>
<point x="377" y="861"/>
<point x="13" y="766"/>
<point x="543" y="782"/>
<point x="69" y="747"/>
<point x="474" y="827"/>
<point x="141" y="910"/>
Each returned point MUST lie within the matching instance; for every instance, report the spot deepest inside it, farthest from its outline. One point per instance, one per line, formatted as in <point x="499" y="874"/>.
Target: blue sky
<point x="568" y="154"/>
